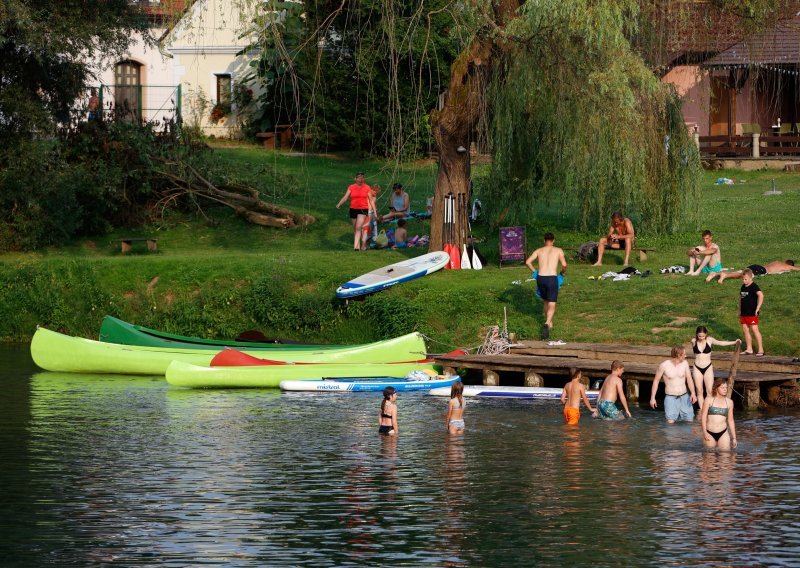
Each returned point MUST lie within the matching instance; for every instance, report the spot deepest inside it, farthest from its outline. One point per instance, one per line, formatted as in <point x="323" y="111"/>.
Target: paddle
<point x="445" y="227"/>
<point x="455" y="258"/>
<point x="465" y="264"/>
<point x="476" y="261"/>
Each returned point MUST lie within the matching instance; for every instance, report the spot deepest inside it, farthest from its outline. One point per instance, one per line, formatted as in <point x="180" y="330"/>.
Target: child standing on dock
<point x="750" y="299"/>
<point x="387" y="419"/>
<point x="610" y="392"/>
<point x="571" y="397"/>
<point x="455" y="409"/>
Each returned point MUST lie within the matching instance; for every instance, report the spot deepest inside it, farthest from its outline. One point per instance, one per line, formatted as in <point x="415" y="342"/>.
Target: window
<point x="224" y="90"/>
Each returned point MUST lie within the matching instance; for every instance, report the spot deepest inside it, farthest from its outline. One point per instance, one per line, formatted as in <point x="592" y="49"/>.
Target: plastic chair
<point x="512" y="245"/>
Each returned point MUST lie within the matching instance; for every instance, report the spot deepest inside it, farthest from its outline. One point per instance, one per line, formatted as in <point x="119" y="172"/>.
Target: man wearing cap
<point x="398" y="204"/>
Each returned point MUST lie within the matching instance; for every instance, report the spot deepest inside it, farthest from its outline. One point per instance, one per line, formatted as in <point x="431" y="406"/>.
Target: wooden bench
<point x="641" y="250"/>
<point x="127" y="243"/>
<point x="281" y="137"/>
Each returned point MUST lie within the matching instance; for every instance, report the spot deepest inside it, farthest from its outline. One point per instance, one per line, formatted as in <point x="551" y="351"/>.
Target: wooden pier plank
<point x="629" y="354"/>
<point x="592" y="367"/>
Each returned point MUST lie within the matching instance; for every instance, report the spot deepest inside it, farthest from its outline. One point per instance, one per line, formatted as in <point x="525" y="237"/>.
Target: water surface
<point x="100" y="469"/>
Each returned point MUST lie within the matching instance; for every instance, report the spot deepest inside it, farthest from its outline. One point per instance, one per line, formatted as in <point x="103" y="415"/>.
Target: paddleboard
<point x="369" y="385"/>
<point x="510" y="392"/>
<point x="393" y="274"/>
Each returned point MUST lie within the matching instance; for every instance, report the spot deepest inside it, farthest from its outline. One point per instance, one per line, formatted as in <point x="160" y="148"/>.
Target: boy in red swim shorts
<point x="750" y="299"/>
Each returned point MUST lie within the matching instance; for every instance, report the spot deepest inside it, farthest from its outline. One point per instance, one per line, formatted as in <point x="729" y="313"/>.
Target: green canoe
<point x="183" y="374"/>
<point x="54" y="351"/>
<point x="114" y="330"/>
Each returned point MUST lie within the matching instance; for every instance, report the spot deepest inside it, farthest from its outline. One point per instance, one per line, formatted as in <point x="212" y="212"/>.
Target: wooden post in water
<point x="632" y="389"/>
<point x="490" y="378"/>
<point x="533" y="379"/>
<point x="732" y="374"/>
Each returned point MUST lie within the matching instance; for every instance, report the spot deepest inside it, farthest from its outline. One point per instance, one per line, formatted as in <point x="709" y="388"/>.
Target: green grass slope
<point x="219" y="279"/>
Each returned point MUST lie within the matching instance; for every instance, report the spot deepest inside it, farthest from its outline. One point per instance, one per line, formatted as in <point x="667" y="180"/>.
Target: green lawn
<point x="218" y="280"/>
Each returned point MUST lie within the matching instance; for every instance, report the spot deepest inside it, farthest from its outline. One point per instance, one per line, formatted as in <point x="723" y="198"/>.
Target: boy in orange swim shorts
<point x="571" y="397"/>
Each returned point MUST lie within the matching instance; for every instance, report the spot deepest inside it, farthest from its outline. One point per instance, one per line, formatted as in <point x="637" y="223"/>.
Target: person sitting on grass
<point x="774" y="267"/>
<point x="620" y="236"/>
<point x="399" y="207"/>
<point x="707" y="257"/>
<point x="401" y="235"/>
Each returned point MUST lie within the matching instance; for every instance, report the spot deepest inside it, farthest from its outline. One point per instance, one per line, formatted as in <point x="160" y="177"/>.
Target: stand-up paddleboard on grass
<point x="510" y="392"/>
<point x="393" y="274"/>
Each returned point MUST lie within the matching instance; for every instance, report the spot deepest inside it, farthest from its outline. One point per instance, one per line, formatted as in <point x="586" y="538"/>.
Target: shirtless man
<point x="620" y="236"/>
<point x="678" y="385"/>
<point x="774" y="267"/>
<point x="610" y="392"/>
<point x="547" y="281"/>
<point x="707" y="257"/>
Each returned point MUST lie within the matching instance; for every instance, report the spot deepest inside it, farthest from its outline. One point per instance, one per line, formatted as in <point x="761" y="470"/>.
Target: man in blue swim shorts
<point x="707" y="257"/>
<point x="549" y="257"/>
<point x="679" y="387"/>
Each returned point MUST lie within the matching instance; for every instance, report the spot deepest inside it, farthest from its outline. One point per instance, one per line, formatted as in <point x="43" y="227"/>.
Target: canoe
<point x="54" y="351"/>
<point x="114" y="330"/>
<point x="510" y="392"/>
<point x="183" y="374"/>
<point x="393" y="274"/>
<point x="235" y="358"/>
<point x="371" y="385"/>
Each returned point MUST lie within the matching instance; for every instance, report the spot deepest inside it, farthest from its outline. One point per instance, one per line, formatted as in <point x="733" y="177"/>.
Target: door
<point x="127" y="89"/>
<point x="723" y="108"/>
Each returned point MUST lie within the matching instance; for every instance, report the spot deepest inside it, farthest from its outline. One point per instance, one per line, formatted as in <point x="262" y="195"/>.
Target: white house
<point x="193" y="66"/>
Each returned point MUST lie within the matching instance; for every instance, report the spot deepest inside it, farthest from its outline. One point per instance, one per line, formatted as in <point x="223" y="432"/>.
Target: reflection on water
<point x="130" y="470"/>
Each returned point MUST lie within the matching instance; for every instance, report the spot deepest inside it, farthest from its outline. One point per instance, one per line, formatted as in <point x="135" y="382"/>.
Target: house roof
<point x="778" y="45"/>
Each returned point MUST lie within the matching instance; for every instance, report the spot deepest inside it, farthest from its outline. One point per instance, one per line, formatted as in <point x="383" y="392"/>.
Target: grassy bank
<point x="219" y="280"/>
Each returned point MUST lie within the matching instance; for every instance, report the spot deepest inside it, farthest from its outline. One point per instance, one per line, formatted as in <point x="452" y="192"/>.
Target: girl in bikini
<point x="387" y="419"/>
<point x="703" y="369"/>
<point x="455" y="409"/>
<point x="716" y="418"/>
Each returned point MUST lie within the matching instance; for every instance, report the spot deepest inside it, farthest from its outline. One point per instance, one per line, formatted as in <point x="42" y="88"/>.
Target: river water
<point x="102" y="469"/>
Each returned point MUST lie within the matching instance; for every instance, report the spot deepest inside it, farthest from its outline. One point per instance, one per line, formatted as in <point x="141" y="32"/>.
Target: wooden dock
<point x="758" y="379"/>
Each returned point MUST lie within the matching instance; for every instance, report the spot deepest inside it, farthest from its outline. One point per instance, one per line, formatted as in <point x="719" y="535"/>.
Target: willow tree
<point x="577" y="116"/>
<point x="578" y="113"/>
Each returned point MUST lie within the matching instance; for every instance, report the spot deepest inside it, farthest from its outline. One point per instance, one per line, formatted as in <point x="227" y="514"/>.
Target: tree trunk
<point x="453" y="126"/>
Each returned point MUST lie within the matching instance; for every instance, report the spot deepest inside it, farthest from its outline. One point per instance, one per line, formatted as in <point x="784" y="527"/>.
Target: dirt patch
<point x="153" y="282"/>
<point x="169" y="298"/>
<point x="674" y="324"/>
<point x="129" y="295"/>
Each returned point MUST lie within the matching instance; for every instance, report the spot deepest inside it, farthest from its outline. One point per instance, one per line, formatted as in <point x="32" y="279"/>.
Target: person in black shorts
<point x="548" y="257"/>
<point x="774" y="267"/>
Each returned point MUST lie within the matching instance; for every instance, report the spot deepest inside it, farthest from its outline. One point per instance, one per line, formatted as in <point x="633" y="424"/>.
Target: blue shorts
<point x="402" y="245"/>
<point x="678" y="407"/>
<point x="707" y="269"/>
<point x="457" y="424"/>
<point x="547" y="288"/>
<point x="608" y="410"/>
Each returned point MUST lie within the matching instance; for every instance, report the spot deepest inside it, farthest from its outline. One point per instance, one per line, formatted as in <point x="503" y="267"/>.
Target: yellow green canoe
<point x="54" y="351"/>
<point x="183" y="374"/>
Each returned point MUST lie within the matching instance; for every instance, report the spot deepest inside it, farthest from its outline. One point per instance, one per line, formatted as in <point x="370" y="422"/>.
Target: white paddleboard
<point x="393" y="274"/>
<point x="509" y="392"/>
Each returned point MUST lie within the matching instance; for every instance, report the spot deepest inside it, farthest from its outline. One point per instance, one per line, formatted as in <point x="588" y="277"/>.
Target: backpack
<point x="587" y="251"/>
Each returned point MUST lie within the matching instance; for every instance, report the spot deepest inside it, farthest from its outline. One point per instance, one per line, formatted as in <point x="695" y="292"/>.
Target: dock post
<point x="533" y="379"/>
<point x="490" y="378"/>
<point x="751" y="395"/>
<point x="632" y="389"/>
